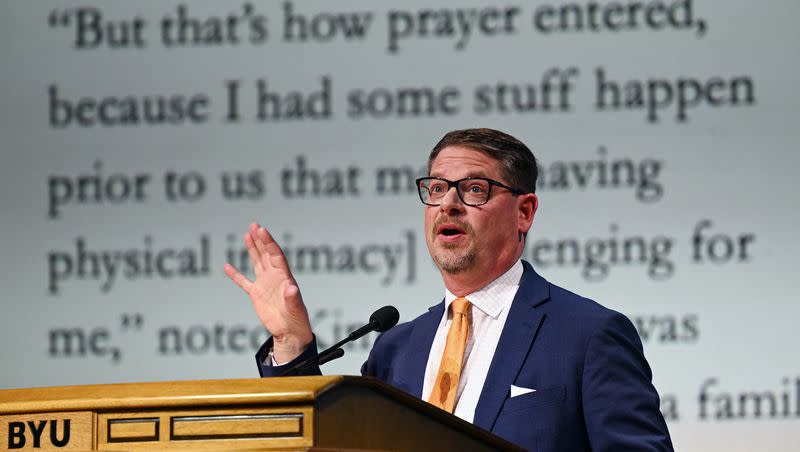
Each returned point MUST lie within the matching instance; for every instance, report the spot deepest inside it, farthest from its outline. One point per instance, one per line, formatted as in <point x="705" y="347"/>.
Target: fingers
<point x="290" y="291"/>
<point x="255" y="254"/>
<point x="262" y="248"/>
<point x="264" y="251"/>
<point x="268" y="246"/>
<point x="237" y="277"/>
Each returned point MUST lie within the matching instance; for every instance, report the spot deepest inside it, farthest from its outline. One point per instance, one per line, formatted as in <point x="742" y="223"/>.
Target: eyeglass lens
<point x="471" y="191"/>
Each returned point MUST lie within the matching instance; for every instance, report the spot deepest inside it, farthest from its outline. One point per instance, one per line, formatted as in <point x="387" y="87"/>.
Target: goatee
<point x="455" y="264"/>
<point x="449" y="259"/>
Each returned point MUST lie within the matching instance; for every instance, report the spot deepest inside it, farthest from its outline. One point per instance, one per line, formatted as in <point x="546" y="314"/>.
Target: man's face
<point x="483" y="238"/>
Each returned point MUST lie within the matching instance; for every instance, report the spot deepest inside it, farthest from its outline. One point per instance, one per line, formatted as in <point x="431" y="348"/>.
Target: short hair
<point x="517" y="164"/>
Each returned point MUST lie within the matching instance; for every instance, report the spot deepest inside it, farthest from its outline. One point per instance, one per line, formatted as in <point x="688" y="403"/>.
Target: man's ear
<point x="528" y="203"/>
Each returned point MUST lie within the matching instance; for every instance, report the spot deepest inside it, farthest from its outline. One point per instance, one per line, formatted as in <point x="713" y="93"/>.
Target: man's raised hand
<point x="275" y="295"/>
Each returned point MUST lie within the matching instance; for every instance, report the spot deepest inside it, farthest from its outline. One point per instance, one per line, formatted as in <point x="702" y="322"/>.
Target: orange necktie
<point x="445" y="387"/>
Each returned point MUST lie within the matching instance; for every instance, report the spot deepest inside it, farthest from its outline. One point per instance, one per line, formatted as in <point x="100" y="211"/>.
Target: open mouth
<point x="450" y="230"/>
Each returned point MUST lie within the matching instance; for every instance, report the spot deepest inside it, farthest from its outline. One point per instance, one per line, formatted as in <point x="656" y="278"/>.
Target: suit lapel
<point x="521" y="327"/>
<point x="419" y="347"/>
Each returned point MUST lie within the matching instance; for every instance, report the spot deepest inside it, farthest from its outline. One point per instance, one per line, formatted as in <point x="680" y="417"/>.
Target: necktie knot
<point x="460" y="306"/>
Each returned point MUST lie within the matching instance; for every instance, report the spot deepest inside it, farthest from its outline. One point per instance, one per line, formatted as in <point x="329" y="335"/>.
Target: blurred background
<point x="140" y="139"/>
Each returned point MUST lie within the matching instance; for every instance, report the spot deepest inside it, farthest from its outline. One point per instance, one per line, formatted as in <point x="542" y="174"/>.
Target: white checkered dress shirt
<point x="490" y="307"/>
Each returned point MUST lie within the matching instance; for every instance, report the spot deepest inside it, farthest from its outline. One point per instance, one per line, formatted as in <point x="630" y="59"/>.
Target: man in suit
<point x="505" y="349"/>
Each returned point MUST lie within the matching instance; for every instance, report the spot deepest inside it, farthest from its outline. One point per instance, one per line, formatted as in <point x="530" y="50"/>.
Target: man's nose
<point x="452" y="202"/>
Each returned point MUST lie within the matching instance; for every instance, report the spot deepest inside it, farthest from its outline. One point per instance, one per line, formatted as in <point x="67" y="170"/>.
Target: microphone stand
<point x="381" y="320"/>
<point x="329" y="354"/>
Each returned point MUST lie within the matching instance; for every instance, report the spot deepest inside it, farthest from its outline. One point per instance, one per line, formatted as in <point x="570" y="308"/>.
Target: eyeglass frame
<point x="451" y="184"/>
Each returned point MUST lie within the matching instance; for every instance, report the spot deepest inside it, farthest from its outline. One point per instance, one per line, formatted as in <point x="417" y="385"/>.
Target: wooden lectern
<point x="297" y="413"/>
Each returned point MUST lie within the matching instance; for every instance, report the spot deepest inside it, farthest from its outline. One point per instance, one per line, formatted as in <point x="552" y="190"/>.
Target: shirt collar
<point x="493" y="297"/>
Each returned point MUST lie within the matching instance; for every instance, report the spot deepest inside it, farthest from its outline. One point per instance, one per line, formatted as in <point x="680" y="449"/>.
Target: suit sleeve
<point x="370" y="367"/>
<point x="267" y="370"/>
<point x="620" y="404"/>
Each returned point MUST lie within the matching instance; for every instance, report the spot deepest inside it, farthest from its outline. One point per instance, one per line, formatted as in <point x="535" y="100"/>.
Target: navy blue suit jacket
<point x="593" y="384"/>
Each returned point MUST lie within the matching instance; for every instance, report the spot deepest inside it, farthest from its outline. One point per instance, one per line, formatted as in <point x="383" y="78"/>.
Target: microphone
<point x="380" y="321"/>
<point x="335" y="354"/>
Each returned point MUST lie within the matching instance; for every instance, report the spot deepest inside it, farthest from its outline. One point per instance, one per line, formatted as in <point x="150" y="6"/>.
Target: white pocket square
<point x="518" y="391"/>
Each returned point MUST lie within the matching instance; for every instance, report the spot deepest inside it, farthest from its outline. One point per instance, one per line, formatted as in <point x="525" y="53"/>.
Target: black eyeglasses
<point x="473" y="191"/>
